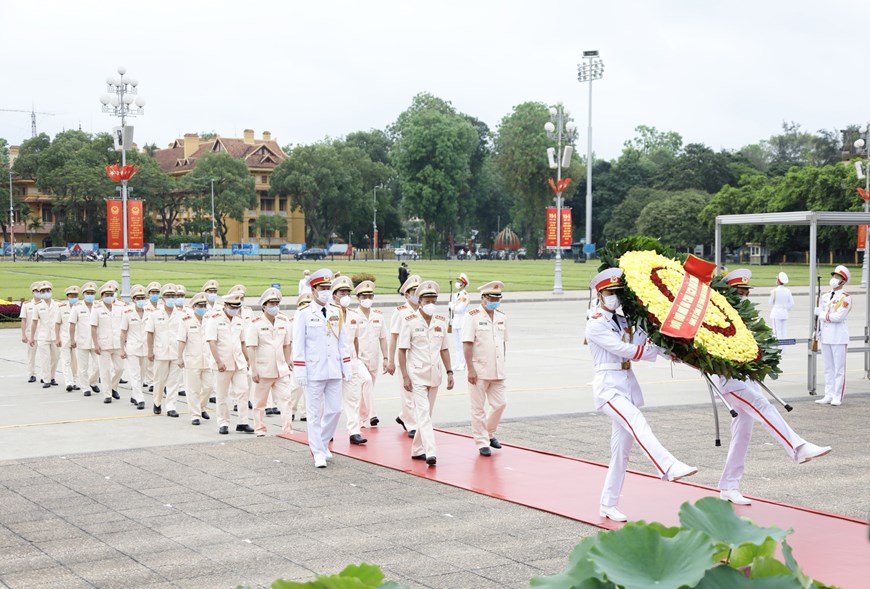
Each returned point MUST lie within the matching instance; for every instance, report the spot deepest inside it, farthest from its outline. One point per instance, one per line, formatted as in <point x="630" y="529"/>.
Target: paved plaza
<point x="97" y="495"/>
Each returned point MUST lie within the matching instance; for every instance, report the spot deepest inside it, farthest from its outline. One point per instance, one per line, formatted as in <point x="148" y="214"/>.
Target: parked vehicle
<point x="521" y="253"/>
<point x="403" y="252"/>
<point x="314" y="253"/>
<point x="192" y="254"/>
<point x="51" y="253"/>
<point x="482" y="254"/>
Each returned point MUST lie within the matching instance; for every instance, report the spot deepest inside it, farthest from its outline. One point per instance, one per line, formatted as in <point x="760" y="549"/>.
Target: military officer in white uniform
<point x="371" y="343"/>
<point x="423" y="350"/>
<point x="832" y="312"/>
<point x="268" y="341"/>
<point x="68" y="364"/>
<point x="26" y="315"/>
<point x="43" y="335"/>
<point x="194" y="356"/>
<point x="458" y="308"/>
<point x="80" y="338"/>
<point x="304" y="287"/>
<point x="484" y="339"/>
<point x="225" y="334"/>
<point x="162" y="330"/>
<point x="351" y="390"/>
<point x="781" y="301"/>
<point x="751" y="405"/>
<point x="321" y="359"/>
<point x="106" y="316"/>
<point x="134" y="342"/>
<point x="409" y="290"/>
<point x="153" y="290"/>
<point x="614" y="346"/>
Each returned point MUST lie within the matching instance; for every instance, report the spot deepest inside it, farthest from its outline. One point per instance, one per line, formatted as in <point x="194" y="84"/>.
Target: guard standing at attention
<point x="225" y="334"/>
<point x="832" y="312"/>
<point x="782" y="301"/>
<point x="371" y="341"/>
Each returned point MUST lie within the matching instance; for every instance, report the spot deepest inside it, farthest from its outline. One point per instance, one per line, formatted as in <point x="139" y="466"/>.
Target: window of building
<point x="251" y="232"/>
<point x="267" y="204"/>
<point x="47" y="214"/>
<point x="264" y="179"/>
<point x="282" y="204"/>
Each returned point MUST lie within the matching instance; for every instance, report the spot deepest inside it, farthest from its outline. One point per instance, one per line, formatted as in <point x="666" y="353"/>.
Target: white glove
<point x="347" y="376"/>
<point x="302" y="381"/>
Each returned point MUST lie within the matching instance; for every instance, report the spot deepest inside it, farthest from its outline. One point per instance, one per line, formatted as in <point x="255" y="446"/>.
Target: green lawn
<point x="526" y="275"/>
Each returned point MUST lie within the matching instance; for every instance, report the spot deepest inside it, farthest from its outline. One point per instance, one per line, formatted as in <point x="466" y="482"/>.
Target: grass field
<point x="525" y="275"/>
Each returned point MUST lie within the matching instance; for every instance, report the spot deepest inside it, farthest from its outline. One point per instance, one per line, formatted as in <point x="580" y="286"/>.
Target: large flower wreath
<point x="732" y="341"/>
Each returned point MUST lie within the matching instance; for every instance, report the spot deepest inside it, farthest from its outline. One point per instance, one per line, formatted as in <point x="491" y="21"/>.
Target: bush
<point x="362" y="277"/>
<point x="9" y="311"/>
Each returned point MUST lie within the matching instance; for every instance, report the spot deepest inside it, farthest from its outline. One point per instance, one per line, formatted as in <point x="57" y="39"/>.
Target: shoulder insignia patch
<point x="441" y="317"/>
<point x="379" y="312"/>
<point x="410" y="316"/>
<point x="185" y="318"/>
<point x="474" y="312"/>
<point x="126" y="311"/>
<point x="596" y="315"/>
<point x="402" y="306"/>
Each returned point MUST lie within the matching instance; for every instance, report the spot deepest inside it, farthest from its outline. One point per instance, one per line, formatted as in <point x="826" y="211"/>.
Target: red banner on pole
<point x="566" y="227"/>
<point x="551" y="227"/>
<point x="135" y="225"/>
<point x="114" y="225"/>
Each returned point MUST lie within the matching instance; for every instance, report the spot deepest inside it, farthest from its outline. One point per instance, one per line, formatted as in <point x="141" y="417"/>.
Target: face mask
<point x="430" y="309"/>
<point x="169" y="303"/>
<point x="493" y="305"/>
<point x="458" y="286"/>
<point x="154" y="298"/>
<point x="109" y="300"/>
<point x="140" y="303"/>
<point x="834" y="282"/>
<point x="414" y="299"/>
<point x="46" y="295"/>
<point x="366" y="303"/>
<point x="200" y="311"/>
<point x="89" y="298"/>
<point x="272" y="310"/>
<point x="179" y="302"/>
<point x="344" y="301"/>
<point x="323" y="296"/>
<point x="212" y="297"/>
<point x="611" y="302"/>
<point x="73" y="300"/>
<point x="232" y="312"/>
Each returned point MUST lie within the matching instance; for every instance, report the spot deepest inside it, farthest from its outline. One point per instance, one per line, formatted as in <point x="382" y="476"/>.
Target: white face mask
<point x="366" y="303"/>
<point x="430" y="309"/>
<point x="272" y="311"/>
<point x="834" y="282"/>
<point x="458" y="286"/>
<point x="344" y="301"/>
<point x="108" y="300"/>
<point x="211" y="297"/>
<point x="414" y="299"/>
<point x="232" y="312"/>
<point x="611" y="302"/>
<point x="323" y="296"/>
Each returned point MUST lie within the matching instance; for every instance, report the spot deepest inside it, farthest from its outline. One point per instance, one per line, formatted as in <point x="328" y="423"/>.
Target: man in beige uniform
<point x="106" y="316"/>
<point x="43" y="335"/>
<point x="371" y="344"/>
<point x="153" y="289"/>
<point x="194" y="356"/>
<point x="423" y="348"/>
<point x="408" y="290"/>
<point x="225" y="334"/>
<point x="134" y="342"/>
<point x="484" y="339"/>
<point x="26" y="315"/>
<point x="68" y="365"/>
<point x="247" y="316"/>
<point x="268" y="341"/>
<point x="162" y="330"/>
<point x="351" y="390"/>
<point x="297" y="392"/>
<point x="80" y="340"/>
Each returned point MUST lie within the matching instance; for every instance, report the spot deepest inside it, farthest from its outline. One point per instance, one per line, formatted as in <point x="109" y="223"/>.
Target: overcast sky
<point x="722" y="73"/>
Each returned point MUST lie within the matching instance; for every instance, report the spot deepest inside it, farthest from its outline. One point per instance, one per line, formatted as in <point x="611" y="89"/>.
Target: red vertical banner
<point x="566" y="228"/>
<point x="114" y="225"/>
<point x="862" y="237"/>
<point x="550" y="232"/>
<point x="375" y="241"/>
<point x="135" y="225"/>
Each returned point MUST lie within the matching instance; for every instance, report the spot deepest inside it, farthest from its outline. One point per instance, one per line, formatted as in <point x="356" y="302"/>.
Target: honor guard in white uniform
<point x="781" y="302"/>
<point x="458" y="308"/>
<point x="162" y="330"/>
<point x="832" y="312"/>
<point x="225" y="334"/>
<point x="247" y="316"/>
<point x="134" y="342"/>
<point x="321" y="359"/>
<point x="371" y="343"/>
<point x="484" y="339"/>
<point x="614" y="346"/>
<point x="80" y="338"/>
<point x="351" y="390"/>
<point x="751" y="405"/>
<point x="106" y="316"/>
<point x="268" y="341"/>
<point x="304" y="287"/>
<point x="26" y="315"/>
<point x="408" y="289"/>
<point x="423" y="349"/>
<point x="68" y="364"/>
<point x="194" y="356"/>
<point x="43" y="335"/>
<point x="297" y="392"/>
<point x="210" y="288"/>
<point x="153" y="290"/>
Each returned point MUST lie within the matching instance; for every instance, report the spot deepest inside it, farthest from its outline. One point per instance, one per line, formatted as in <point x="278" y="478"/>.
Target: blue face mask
<point x="169" y="302"/>
<point x="154" y="298"/>
<point x="200" y="311"/>
<point x="73" y="300"/>
<point x="140" y="303"/>
<point x="179" y="302"/>
<point x="89" y="298"/>
<point x="212" y="297"/>
<point x="493" y="305"/>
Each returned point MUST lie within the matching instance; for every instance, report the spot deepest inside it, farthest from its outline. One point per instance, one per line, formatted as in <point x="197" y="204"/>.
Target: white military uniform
<point x="488" y="336"/>
<point x="86" y="359"/>
<point x="321" y="359"/>
<point x="163" y="325"/>
<point x="424" y="342"/>
<point x="197" y="362"/>
<point x="352" y="391"/>
<point x="45" y="316"/>
<point x="269" y="363"/>
<point x="782" y="301"/>
<point x="133" y="323"/>
<point x="228" y="333"/>
<point x="371" y="333"/>
<point x="406" y="412"/>
<point x="459" y="305"/>
<point x="107" y="321"/>
<point x="832" y="312"/>
<point x="68" y="364"/>
<point x="26" y="316"/>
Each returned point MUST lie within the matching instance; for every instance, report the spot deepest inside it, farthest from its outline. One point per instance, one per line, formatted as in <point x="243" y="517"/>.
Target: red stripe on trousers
<point x="779" y="433"/>
<point x="653" y="460"/>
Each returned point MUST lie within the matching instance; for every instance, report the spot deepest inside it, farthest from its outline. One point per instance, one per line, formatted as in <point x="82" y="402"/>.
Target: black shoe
<point x="357" y="440"/>
<point x="172" y="413"/>
<point x="122" y="381"/>
<point x="194" y="422"/>
<point x="45" y="385"/>
<point x="374" y="421"/>
<point x="182" y="394"/>
<point x="402" y="423"/>
<point x="292" y="417"/>
<point x="157" y="410"/>
<point x="87" y="393"/>
<point x="69" y="388"/>
<point x="412" y="433"/>
<point x="107" y="400"/>
<point x="485" y="451"/>
<point x="205" y="415"/>
<point x="53" y="383"/>
<point x="132" y="401"/>
<point x="235" y="407"/>
<point x="419" y="457"/>
<point x="495" y="443"/>
<point x="212" y="400"/>
<point x="303" y="419"/>
<point x="276" y="411"/>
<point x="244" y="429"/>
<point x="116" y="394"/>
<point x="268" y="411"/>
<point x="151" y="389"/>
<point x="140" y="405"/>
<point x="250" y="405"/>
<point x="95" y="388"/>
<point x="31" y="379"/>
<point x="223" y="430"/>
<point x="76" y="387"/>
<point x="431" y="460"/>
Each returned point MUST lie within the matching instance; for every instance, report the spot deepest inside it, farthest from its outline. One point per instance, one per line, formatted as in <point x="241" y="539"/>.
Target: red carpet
<point x="829" y="547"/>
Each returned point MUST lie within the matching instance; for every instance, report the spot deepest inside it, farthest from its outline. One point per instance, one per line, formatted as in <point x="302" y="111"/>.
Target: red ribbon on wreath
<point x="560" y="186"/>
<point x="864" y="194"/>
<point x="117" y="173"/>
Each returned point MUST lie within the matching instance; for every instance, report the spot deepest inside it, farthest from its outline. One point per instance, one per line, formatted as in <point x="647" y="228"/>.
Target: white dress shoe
<point x="320" y="462"/>
<point x="836" y="403"/>
<point x="680" y="470"/>
<point x="824" y="400"/>
<point x="329" y="455"/>
<point x="807" y="451"/>
<point x="613" y="513"/>
<point x="734" y="496"/>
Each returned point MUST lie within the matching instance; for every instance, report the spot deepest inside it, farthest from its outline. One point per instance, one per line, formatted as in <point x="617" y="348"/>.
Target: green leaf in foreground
<point x="717" y="519"/>
<point x="724" y="577"/>
<point x="580" y="573"/>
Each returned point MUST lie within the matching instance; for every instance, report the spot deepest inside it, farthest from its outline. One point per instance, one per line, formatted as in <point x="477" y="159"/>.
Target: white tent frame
<point x="813" y="219"/>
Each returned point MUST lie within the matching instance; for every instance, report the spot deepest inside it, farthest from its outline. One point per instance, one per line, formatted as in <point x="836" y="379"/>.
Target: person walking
<point x="68" y="364"/>
<point x="26" y="316"/>
<point x="134" y="342"/>
<point x="194" y="356"/>
<point x="832" y="313"/>
<point x="105" y="322"/>
<point x="297" y="392"/>
<point x="371" y="341"/>
<point x="458" y="307"/>
<point x="781" y="301"/>
<point x="162" y="329"/>
<point x="616" y="392"/>
<point x="484" y="337"/>
<point x="403" y="275"/>
<point x="351" y="389"/>
<point x="409" y="289"/>
<point x="81" y="342"/>
<point x="43" y="335"/>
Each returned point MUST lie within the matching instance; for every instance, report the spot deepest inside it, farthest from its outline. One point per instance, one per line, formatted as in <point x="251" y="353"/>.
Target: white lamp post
<point x="120" y="101"/>
<point x="593" y="69"/>
<point x="375" y="221"/>
<point x="558" y="128"/>
<point x="864" y="142"/>
<point x="11" y="215"/>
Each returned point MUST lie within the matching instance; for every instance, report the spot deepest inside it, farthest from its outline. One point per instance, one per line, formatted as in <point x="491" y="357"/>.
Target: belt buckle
<point x="626" y="365"/>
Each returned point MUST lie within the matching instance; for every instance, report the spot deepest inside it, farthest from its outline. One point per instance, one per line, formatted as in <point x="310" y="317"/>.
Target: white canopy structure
<point x="813" y="219"/>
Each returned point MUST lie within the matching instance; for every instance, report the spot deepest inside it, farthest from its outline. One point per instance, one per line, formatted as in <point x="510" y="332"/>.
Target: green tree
<point x="267" y="225"/>
<point x="674" y="220"/>
<point x="233" y="189"/>
<point x="159" y="191"/>
<point x="623" y="219"/>
<point x="4" y="185"/>
<point x="651" y="142"/>
<point x="696" y="166"/>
